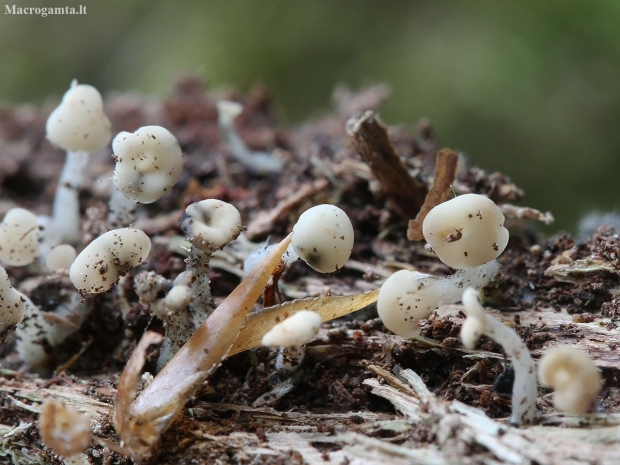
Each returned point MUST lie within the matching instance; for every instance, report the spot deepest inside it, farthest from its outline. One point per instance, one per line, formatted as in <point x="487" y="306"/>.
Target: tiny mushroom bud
<point x="12" y="306"/>
<point x="19" y="237"/>
<point x="478" y="323"/>
<point x="295" y="331"/>
<point x="466" y="231"/>
<point x="60" y="257"/>
<point x="64" y="428"/>
<point x="211" y="224"/>
<point x="406" y="297"/>
<point x="98" y="267"/>
<point x="573" y="376"/>
<point x="323" y="238"/>
<point x="148" y="162"/>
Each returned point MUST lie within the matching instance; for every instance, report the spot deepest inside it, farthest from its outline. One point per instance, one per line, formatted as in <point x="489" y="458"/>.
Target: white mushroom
<point x="79" y="126"/>
<point x="256" y="162"/>
<point x="524" y="390"/>
<point x="211" y="224"/>
<point x="12" y="306"/>
<point x="295" y="331"/>
<point x="466" y="231"/>
<point x="19" y="237"/>
<point x="208" y="225"/>
<point x="573" y="376"/>
<point x="148" y="163"/>
<point x="323" y="238"/>
<point x="291" y="335"/>
<point x="98" y="267"/>
<point x="406" y="297"/>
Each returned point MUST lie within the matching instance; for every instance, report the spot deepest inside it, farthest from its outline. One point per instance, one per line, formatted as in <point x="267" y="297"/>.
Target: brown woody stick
<point x="445" y="171"/>
<point x="371" y="141"/>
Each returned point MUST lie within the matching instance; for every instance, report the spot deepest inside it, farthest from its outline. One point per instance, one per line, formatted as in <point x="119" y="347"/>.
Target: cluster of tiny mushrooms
<point x="467" y="233"/>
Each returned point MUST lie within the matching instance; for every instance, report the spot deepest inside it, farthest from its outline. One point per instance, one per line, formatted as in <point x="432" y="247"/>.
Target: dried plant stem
<point x="370" y="139"/>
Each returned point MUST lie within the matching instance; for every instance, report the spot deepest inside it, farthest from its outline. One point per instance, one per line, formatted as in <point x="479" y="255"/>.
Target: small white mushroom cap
<point x="409" y="296"/>
<point x="573" y="376"/>
<point x="98" y="267"/>
<point x="466" y="231"/>
<point x="228" y="111"/>
<point x="78" y="123"/>
<point x="403" y="300"/>
<point x="19" y="237"/>
<point x="295" y="331"/>
<point x="12" y="305"/>
<point x="148" y="163"/>
<point x="60" y="257"/>
<point x="323" y="238"/>
<point x="211" y="224"/>
<point x="476" y="323"/>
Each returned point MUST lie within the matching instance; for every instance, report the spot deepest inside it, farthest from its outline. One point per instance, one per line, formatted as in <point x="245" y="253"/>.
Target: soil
<point x="552" y="291"/>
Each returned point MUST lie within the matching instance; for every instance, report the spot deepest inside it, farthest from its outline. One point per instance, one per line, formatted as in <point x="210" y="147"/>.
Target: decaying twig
<point x="264" y="221"/>
<point x="371" y="140"/>
<point x="526" y="213"/>
<point x="445" y="171"/>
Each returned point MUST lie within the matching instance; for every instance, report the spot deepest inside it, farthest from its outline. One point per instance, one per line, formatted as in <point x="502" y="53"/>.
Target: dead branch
<point x="370" y="139"/>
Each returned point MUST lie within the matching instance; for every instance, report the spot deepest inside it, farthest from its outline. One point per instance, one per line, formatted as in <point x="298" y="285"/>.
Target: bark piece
<point x="370" y="139"/>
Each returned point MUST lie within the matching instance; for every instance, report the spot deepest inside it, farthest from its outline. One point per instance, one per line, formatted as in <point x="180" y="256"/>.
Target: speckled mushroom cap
<point x="467" y="231"/>
<point x="19" y="238"/>
<point x="78" y="123"/>
<point x="323" y="238"/>
<point x="403" y="300"/>
<point x="12" y="305"/>
<point x="98" y="267"/>
<point x="148" y="163"/>
<point x="211" y="224"/>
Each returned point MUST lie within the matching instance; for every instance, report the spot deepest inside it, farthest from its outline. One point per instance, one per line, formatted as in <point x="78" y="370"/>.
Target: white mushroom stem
<point x="289" y="359"/>
<point x="407" y="297"/>
<point x="122" y="210"/>
<point x="66" y="207"/>
<point x="255" y="162"/>
<point x="525" y="389"/>
<point x="40" y="331"/>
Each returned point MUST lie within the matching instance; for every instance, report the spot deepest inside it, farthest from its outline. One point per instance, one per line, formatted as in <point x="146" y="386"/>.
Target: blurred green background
<point x="530" y="88"/>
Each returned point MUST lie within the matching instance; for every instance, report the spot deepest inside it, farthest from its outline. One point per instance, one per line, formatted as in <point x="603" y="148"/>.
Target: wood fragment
<point x="445" y="172"/>
<point x="370" y="139"/>
<point x="526" y="213"/>
<point x="264" y="221"/>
